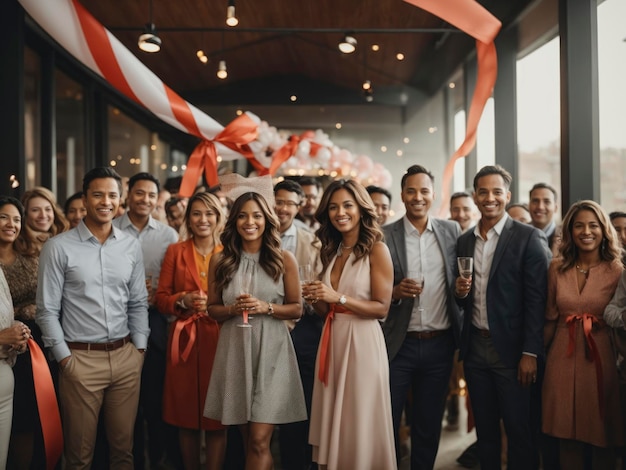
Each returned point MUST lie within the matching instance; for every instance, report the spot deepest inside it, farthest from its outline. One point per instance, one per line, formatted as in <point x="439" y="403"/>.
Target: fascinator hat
<point x="234" y="185"/>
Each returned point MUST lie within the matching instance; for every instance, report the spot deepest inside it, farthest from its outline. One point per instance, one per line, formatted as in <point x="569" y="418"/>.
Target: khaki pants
<point x="100" y="379"/>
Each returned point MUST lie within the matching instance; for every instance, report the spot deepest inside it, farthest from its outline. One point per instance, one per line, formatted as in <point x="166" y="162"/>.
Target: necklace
<point x="581" y="270"/>
<point x="343" y="247"/>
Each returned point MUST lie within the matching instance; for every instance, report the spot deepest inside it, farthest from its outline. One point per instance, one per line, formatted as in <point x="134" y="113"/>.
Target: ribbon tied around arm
<point x="591" y="349"/>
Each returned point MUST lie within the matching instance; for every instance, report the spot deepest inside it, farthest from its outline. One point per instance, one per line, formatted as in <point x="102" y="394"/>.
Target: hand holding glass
<point x="246" y="287"/>
<point x="466" y="266"/>
<point x="418" y="278"/>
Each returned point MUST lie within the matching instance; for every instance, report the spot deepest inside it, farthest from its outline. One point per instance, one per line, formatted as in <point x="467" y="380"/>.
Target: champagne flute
<point x="418" y="278"/>
<point x="466" y="266"/>
<point x="246" y="288"/>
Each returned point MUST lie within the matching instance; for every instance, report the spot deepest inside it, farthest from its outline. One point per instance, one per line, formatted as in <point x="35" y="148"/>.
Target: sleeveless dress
<point x="255" y="374"/>
<point x="351" y="425"/>
<point x="571" y="395"/>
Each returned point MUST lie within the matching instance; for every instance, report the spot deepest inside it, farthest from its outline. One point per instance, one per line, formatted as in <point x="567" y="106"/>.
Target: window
<point x="32" y="117"/>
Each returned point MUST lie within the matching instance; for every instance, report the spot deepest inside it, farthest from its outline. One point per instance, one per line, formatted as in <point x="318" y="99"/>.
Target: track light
<point x="202" y="56"/>
<point x="222" y="73"/>
<point x="369" y="94"/>
<point x="231" y="19"/>
<point x="347" y="44"/>
<point x="367" y="85"/>
<point x="149" y="41"/>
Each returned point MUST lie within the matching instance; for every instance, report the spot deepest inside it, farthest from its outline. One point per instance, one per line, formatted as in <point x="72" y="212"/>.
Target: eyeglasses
<point x="281" y="203"/>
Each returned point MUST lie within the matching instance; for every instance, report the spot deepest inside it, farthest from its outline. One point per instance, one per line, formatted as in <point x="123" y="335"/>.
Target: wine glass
<point x="466" y="266"/>
<point x="246" y="288"/>
<point x="418" y="278"/>
<point x="306" y="274"/>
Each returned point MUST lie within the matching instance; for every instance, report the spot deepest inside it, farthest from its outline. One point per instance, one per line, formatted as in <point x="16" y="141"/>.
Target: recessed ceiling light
<point x="400" y="56"/>
<point x="293" y="97"/>
<point x="338" y="125"/>
<point x="375" y="47"/>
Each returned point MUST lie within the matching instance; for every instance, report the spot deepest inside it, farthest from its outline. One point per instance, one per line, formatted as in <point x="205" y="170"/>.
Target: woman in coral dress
<point x="183" y="284"/>
<point x="351" y="424"/>
<point x="580" y="389"/>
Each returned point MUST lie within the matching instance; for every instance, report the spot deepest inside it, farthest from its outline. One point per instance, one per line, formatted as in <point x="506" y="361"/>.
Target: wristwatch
<point x="342" y="300"/>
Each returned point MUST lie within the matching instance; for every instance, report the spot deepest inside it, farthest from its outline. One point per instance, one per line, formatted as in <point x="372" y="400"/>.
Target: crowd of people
<point x="198" y="326"/>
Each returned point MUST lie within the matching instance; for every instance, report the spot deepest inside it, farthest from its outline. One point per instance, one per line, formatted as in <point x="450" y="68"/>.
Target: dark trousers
<point x="424" y="366"/>
<point x="496" y="394"/>
<point x="295" y="451"/>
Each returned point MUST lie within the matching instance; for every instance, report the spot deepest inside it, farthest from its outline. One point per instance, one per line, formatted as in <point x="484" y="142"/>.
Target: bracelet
<point x="270" y="309"/>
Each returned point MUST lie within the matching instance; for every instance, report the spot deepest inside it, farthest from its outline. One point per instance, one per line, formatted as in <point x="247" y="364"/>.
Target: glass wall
<point x="68" y="167"/>
<point x="32" y="117"/>
<point x="612" y="94"/>
<point x="538" y="118"/>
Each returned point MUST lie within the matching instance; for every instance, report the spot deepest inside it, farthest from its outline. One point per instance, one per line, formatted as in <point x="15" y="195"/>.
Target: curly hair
<point x="610" y="248"/>
<point x="369" y="229"/>
<point x="211" y="202"/>
<point x="29" y="242"/>
<point x="271" y="256"/>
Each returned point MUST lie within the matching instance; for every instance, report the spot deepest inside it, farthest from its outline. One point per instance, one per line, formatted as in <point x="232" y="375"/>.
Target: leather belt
<point x="426" y="334"/>
<point x="481" y="332"/>
<point x="112" y="346"/>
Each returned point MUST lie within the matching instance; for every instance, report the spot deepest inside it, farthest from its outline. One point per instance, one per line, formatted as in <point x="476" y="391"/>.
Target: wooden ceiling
<point x="283" y="47"/>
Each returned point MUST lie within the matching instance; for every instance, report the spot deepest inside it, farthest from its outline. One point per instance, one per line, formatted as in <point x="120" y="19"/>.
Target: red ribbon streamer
<point x="325" y="341"/>
<point x="473" y="19"/>
<point x="236" y="135"/>
<point x="47" y="406"/>
<point x="593" y="355"/>
<point x="189" y="325"/>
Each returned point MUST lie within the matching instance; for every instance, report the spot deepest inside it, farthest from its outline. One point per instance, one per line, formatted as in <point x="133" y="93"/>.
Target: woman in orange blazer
<point x="193" y="336"/>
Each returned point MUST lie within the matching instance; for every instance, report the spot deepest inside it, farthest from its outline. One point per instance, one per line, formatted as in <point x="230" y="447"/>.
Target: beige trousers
<point x="6" y="409"/>
<point x="93" y="380"/>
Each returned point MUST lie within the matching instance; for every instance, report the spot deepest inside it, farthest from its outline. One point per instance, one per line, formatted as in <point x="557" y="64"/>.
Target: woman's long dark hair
<point x="271" y="256"/>
<point x="369" y="230"/>
<point x="610" y="248"/>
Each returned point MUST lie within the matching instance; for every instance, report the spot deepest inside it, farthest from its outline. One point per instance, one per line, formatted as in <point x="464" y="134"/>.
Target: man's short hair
<point x="458" y="195"/>
<point x="73" y="197"/>
<point x="371" y="189"/>
<point x="310" y="181"/>
<point x="415" y="170"/>
<point x="522" y="205"/>
<point x="543" y="186"/>
<point x="617" y="215"/>
<point x="290" y="186"/>
<point x="141" y="177"/>
<point x="101" y="172"/>
<point x="170" y="203"/>
<point x="493" y="170"/>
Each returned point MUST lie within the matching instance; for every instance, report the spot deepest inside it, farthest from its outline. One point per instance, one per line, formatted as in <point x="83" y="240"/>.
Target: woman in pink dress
<point x="351" y="425"/>
<point x="580" y="389"/>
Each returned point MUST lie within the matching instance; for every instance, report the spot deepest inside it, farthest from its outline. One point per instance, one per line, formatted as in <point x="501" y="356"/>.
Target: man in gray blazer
<point x="423" y="324"/>
<point x="504" y="305"/>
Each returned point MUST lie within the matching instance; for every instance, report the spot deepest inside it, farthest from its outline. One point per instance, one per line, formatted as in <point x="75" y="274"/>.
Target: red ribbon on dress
<point x="472" y="18"/>
<point x="189" y="325"/>
<point x="325" y="341"/>
<point x="236" y="135"/>
<point x="47" y="405"/>
<point x="591" y="351"/>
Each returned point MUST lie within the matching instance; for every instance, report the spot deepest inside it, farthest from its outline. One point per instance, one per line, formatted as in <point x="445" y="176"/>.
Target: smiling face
<point x="10" y="223"/>
<point x="586" y="231"/>
<point x="76" y="212"/>
<point x="343" y="211"/>
<point x="542" y="207"/>
<point x="101" y="201"/>
<point x="142" y="198"/>
<point x="417" y="196"/>
<point x="311" y="200"/>
<point x="202" y="220"/>
<point x="382" y="203"/>
<point x="491" y="197"/>
<point x="462" y="211"/>
<point x="250" y="222"/>
<point x="286" y="204"/>
<point x="619" y="223"/>
<point x="39" y="214"/>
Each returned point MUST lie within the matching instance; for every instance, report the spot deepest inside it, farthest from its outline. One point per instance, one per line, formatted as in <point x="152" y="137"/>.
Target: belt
<point x="112" y="346"/>
<point x="480" y="332"/>
<point x="426" y="334"/>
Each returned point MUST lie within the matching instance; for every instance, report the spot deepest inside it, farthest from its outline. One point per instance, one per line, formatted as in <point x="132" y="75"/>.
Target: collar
<point x="550" y="228"/>
<point x="85" y="234"/>
<point x="409" y="228"/>
<point x="496" y="228"/>
<point x="125" y="222"/>
<point x="290" y="232"/>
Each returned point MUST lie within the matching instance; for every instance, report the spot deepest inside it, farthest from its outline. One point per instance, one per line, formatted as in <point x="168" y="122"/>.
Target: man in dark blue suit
<point x="423" y="324"/>
<point x="504" y="306"/>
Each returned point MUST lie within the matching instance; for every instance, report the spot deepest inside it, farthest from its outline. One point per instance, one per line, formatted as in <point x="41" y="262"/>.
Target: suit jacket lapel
<point x="399" y="247"/>
<point x="190" y="262"/>
<point x="503" y="241"/>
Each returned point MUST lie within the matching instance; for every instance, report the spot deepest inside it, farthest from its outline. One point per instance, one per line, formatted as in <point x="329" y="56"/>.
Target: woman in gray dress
<point x="255" y="381"/>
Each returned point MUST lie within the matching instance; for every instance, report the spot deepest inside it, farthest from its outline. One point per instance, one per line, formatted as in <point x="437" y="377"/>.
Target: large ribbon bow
<point x="236" y="136"/>
<point x="591" y="349"/>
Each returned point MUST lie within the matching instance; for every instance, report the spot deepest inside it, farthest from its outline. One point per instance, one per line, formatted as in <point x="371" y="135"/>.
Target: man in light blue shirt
<point x="94" y="275"/>
<point x="154" y="237"/>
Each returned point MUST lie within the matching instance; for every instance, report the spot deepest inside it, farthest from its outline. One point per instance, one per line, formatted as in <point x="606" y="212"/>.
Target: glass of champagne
<point x="418" y="278"/>
<point x="466" y="266"/>
<point x="246" y="288"/>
